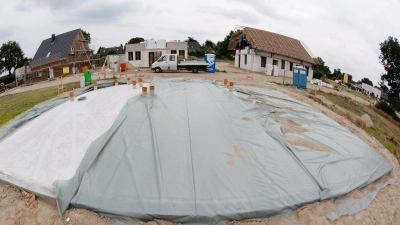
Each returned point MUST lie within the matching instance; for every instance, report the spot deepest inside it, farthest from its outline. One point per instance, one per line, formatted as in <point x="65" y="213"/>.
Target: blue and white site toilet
<point x="211" y="62"/>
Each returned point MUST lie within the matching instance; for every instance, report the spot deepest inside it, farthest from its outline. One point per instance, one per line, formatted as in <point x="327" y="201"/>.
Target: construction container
<point x="149" y="44"/>
<point x="85" y="68"/>
<point x="300" y="77"/>
<point x="210" y="58"/>
<point x="88" y="76"/>
<point x="123" y="67"/>
<point x="82" y="81"/>
<point x="161" y="43"/>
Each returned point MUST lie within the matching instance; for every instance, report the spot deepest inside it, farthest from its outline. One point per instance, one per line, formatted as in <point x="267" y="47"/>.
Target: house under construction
<point x="60" y="55"/>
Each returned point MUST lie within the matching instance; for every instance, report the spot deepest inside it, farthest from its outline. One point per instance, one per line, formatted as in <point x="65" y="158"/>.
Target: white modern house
<point x="145" y="53"/>
<point x="270" y="53"/>
<point x="371" y="90"/>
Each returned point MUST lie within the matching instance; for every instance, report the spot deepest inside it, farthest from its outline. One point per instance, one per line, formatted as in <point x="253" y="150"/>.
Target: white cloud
<point x="346" y="34"/>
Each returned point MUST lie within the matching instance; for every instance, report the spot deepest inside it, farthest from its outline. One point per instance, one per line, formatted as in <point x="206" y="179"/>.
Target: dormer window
<point x="48" y="54"/>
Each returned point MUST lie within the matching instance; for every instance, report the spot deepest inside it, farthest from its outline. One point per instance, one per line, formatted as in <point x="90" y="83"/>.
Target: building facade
<point x="270" y="53"/>
<point x="144" y="54"/>
<point x="59" y="52"/>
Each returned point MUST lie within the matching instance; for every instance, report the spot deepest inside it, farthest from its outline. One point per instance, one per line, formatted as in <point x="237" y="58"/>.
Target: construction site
<point x="174" y="148"/>
<point x="173" y="143"/>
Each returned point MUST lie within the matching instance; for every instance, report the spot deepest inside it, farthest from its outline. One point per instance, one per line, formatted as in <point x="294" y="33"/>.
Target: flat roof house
<point x="145" y="53"/>
<point x="69" y="49"/>
<point x="259" y="50"/>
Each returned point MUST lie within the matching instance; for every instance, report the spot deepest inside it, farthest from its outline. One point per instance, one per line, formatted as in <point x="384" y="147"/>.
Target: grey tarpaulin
<point x="41" y="108"/>
<point x="197" y="153"/>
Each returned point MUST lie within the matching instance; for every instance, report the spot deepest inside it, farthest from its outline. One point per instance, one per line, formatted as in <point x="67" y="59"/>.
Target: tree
<point x="135" y="40"/>
<point x="191" y="39"/>
<point x="365" y="80"/>
<point x="221" y="50"/>
<point x="98" y="50"/>
<point x="390" y="59"/>
<point x="321" y="70"/>
<point x="112" y="52"/>
<point x="12" y="57"/>
<point x="337" y="74"/>
<point x="317" y="74"/>
<point x="209" y="44"/>
<point x="86" y="35"/>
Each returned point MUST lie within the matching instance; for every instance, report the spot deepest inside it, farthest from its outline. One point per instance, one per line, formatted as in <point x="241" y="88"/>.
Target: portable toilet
<point x="345" y="78"/>
<point x="211" y="62"/>
<point x="300" y="77"/>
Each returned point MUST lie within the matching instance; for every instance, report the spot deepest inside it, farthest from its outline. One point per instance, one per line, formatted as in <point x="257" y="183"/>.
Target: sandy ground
<point x="18" y="207"/>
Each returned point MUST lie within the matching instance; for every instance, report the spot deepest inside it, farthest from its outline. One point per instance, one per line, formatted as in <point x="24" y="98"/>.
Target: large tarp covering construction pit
<point x="193" y="152"/>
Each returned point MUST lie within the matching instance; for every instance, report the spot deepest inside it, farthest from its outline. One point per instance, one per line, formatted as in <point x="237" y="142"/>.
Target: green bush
<point x="7" y="79"/>
<point x="318" y="74"/>
<point x="387" y="109"/>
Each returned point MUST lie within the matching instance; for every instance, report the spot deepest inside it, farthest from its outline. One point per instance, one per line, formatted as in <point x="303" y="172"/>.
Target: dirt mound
<point x="367" y="120"/>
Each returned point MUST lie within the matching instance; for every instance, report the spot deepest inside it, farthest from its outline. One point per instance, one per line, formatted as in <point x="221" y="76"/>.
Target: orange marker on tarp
<point x="152" y="90"/>
<point x="71" y="96"/>
<point x="134" y="84"/>
<point x="231" y="86"/>
<point x="144" y="91"/>
<point x="140" y="82"/>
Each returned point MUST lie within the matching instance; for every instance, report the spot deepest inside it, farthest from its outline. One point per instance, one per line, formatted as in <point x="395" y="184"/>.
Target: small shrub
<point x="360" y="123"/>
<point x="387" y="109"/>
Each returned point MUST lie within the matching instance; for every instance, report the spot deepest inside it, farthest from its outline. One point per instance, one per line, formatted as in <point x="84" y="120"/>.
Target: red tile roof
<point x="274" y="43"/>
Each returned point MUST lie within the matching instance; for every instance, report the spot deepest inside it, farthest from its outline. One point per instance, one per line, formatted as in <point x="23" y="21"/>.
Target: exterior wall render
<point x="256" y="67"/>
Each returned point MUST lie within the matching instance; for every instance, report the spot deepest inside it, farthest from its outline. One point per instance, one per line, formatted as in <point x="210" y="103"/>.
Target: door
<point x="172" y="62"/>
<point x="151" y="58"/>
<point x="163" y="62"/>
<point x="50" y="73"/>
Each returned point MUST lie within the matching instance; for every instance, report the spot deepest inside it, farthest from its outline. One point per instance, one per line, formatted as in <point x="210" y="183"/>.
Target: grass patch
<point x="225" y="60"/>
<point x="346" y="103"/>
<point x="386" y="129"/>
<point x="14" y="104"/>
<point x="218" y="70"/>
<point x="361" y="95"/>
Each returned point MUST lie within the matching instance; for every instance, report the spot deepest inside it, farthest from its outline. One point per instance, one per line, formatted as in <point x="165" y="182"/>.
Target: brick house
<point x="264" y="51"/>
<point x="69" y="49"/>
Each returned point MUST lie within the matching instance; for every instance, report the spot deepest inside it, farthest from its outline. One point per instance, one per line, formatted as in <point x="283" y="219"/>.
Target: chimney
<point x="53" y="38"/>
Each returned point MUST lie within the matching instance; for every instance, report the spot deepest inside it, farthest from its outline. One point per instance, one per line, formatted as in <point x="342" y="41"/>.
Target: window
<point x="130" y="56"/>
<point x="182" y="53"/>
<point x="172" y="58"/>
<point x="72" y="51"/>
<point x="38" y="73"/>
<point x="275" y="62"/>
<point x="245" y="59"/>
<point x="283" y="64"/>
<point x="173" y="51"/>
<point x="163" y="58"/>
<point x="291" y="66"/>
<point x="307" y="70"/>
<point x="137" y="56"/>
<point x="263" y="61"/>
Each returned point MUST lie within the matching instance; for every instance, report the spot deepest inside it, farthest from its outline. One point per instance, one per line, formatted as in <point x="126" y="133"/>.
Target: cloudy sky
<point x="345" y="34"/>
